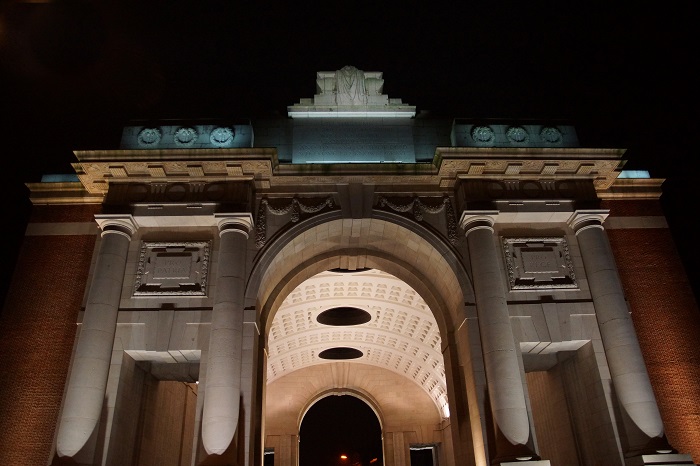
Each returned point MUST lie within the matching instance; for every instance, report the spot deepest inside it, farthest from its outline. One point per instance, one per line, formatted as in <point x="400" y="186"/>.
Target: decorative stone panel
<point x="466" y="133"/>
<point x="538" y="263"/>
<point x="172" y="268"/>
<point x="225" y="134"/>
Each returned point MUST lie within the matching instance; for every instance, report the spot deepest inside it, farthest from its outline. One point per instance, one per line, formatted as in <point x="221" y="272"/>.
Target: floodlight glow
<point x="350" y="114"/>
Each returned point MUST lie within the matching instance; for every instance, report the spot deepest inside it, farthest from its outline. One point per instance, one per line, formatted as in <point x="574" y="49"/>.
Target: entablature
<point x="260" y="167"/>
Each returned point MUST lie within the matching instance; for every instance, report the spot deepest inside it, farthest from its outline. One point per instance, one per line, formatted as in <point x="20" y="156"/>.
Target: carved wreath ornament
<point x="419" y="207"/>
<point x="295" y="208"/>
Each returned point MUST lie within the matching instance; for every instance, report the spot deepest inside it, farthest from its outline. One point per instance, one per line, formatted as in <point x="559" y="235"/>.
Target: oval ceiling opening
<point x="340" y="352"/>
<point x="344" y="315"/>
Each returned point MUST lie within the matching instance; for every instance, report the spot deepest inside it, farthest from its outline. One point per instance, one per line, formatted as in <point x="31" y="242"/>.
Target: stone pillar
<point x="511" y="438"/>
<point x="644" y="431"/>
<point x="85" y="393"/>
<point x="222" y="394"/>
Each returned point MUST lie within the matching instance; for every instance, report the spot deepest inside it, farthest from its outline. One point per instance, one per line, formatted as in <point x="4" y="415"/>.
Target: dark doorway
<point x="269" y="457"/>
<point x="340" y="425"/>
<point x="423" y="455"/>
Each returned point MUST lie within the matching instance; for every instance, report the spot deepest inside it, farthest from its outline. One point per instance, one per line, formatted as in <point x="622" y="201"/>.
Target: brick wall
<point x="667" y="320"/>
<point x="37" y="331"/>
<point x="630" y="208"/>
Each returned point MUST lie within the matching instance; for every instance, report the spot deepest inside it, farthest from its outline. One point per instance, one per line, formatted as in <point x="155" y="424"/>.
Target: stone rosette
<point x="149" y="137"/>
<point x="517" y="135"/>
<point x="483" y="134"/>
<point x="222" y="136"/>
<point x="551" y="135"/>
<point x="185" y="137"/>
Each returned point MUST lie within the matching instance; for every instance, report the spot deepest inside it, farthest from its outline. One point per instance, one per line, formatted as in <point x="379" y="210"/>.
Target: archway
<point x="340" y="425"/>
<point x="424" y="282"/>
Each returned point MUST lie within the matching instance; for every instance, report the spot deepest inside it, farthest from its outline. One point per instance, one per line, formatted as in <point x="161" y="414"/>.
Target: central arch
<point x="402" y="248"/>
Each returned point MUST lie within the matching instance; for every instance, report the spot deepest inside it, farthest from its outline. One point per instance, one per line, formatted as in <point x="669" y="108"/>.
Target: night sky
<point x="330" y="429"/>
<point x="73" y="74"/>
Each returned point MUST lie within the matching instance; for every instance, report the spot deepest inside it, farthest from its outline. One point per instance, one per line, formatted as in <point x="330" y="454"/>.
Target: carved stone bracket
<point x="295" y="207"/>
<point x="418" y="207"/>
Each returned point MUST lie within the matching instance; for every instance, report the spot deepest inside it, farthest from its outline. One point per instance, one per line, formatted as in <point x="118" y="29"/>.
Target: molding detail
<point x="172" y="268"/>
<point x="96" y="169"/>
<point x="234" y="223"/>
<point x="295" y="207"/>
<point x="539" y="263"/>
<point x="584" y="219"/>
<point x="419" y="207"/>
<point x="117" y="223"/>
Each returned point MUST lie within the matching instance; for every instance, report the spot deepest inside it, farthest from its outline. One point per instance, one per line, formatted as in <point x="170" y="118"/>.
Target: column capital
<point x="477" y="219"/>
<point x="121" y="224"/>
<point x="234" y="223"/>
<point x="584" y="219"/>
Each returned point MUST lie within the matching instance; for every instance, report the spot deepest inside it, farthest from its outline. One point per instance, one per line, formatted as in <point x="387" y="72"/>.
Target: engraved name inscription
<point x="538" y="263"/>
<point x="172" y="268"/>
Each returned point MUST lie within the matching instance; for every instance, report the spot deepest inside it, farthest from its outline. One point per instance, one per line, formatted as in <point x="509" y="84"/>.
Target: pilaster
<point x="222" y="395"/>
<point x="511" y="439"/>
<point x="85" y="392"/>
<point x="643" y="428"/>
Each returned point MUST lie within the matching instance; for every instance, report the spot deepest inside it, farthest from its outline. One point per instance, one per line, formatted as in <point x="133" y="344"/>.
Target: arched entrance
<point x="412" y="285"/>
<point x="340" y="431"/>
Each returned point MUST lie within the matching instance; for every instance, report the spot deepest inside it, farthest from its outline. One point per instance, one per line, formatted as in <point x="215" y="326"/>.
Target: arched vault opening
<point x="401" y="335"/>
<point x="404" y="249"/>
<point x="360" y="305"/>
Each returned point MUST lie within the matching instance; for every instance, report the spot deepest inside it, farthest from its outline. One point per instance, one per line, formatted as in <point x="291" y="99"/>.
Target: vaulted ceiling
<point x="401" y="334"/>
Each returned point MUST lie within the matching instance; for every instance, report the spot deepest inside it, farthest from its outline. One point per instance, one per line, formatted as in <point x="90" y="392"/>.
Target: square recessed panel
<point x="172" y="268"/>
<point x="538" y="263"/>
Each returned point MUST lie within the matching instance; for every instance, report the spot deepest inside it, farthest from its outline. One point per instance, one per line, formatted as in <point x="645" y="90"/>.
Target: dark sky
<point x="72" y="74"/>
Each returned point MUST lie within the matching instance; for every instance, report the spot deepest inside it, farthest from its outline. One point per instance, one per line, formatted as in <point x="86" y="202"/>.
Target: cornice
<point x="601" y="165"/>
<point x="633" y="188"/>
<point x="61" y="193"/>
<point x="96" y="169"/>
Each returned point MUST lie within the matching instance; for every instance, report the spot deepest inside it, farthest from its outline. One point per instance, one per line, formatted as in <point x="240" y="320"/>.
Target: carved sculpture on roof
<point x="350" y="86"/>
<point x="352" y="91"/>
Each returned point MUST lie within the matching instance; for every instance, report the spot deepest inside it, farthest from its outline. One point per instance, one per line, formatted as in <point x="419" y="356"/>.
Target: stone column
<point x="85" y="393"/>
<point x="222" y="394"/>
<point x="642" y="421"/>
<point x="511" y="439"/>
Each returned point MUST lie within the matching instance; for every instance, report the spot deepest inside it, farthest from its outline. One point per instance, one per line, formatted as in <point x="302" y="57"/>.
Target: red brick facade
<point x="666" y="318"/>
<point x="37" y="335"/>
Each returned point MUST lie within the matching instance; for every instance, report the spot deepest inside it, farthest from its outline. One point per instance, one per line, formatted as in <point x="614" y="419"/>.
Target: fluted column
<point x="85" y="393"/>
<point x="223" y="376"/>
<point x="627" y="369"/>
<point x="505" y="386"/>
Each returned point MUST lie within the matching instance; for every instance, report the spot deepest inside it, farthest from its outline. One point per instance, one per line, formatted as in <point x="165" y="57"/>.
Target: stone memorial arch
<point x="461" y="278"/>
